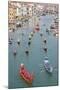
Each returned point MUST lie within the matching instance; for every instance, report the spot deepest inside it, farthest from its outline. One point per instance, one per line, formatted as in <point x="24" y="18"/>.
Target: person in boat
<point x="22" y="66"/>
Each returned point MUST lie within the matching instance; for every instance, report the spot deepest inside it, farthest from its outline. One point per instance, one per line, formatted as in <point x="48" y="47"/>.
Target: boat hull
<point x="26" y="80"/>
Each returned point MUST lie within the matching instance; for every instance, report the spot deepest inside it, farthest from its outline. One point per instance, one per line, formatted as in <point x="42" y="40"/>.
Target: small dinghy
<point x="41" y="34"/>
<point x="47" y="66"/>
<point x="10" y="42"/>
<point x="18" y="41"/>
<point x="13" y="29"/>
<point x="15" y="52"/>
<point x="31" y="33"/>
<point x="30" y="37"/>
<point x="45" y="49"/>
<point x="45" y="40"/>
<point x="52" y="26"/>
<point x="29" y="42"/>
<point x="25" y="74"/>
<point x="26" y="51"/>
<point x="47" y="30"/>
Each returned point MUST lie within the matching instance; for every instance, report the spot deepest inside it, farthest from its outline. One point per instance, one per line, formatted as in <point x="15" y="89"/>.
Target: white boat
<point x="18" y="41"/>
<point x="47" y="66"/>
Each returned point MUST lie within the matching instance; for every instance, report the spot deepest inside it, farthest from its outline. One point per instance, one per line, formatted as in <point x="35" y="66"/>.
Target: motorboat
<point x="47" y="30"/>
<point x="10" y="42"/>
<point x="52" y="26"/>
<point x="45" y="40"/>
<point x="45" y="49"/>
<point x="13" y="29"/>
<point x="41" y="34"/>
<point x="47" y="66"/>
<point x="18" y="41"/>
<point x="43" y="14"/>
<point x="27" y="52"/>
<point x="15" y="52"/>
<point x="30" y="37"/>
<point x="25" y="74"/>
<point x="31" y="33"/>
<point x="18" y="25"/>
<point x="29" y="42"/>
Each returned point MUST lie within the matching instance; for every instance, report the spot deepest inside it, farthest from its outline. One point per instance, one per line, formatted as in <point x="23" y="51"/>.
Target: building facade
<point x="11" y="15"/>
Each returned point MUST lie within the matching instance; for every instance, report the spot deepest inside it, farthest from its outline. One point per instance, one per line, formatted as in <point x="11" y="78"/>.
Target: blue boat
<point x="47" y="66"/>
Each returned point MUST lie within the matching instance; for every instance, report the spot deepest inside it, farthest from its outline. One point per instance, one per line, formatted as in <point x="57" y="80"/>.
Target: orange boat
<point x="25" y="74"/>
<point x="37" y="27"/>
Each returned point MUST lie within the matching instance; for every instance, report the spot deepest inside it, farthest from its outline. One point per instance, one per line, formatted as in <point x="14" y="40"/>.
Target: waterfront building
<point x="11" y="15"/>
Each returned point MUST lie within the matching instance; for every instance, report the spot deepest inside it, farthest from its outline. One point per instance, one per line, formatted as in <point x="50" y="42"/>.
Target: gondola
<point x="25" y="74"/>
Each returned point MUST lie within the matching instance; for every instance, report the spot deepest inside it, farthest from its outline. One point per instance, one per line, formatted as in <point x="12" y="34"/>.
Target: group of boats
<point x="31" y="35"/>
<point x="54" y="27"/>
<point x="23" y="72"/>
<point x="28" y="77"/>
<point x="45" y="41"/>
<point x="47" y="65"/>
<point x="29" y="42"/>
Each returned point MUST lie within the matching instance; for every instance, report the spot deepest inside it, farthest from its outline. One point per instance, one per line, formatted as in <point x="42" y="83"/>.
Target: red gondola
<point x="25" y="74"/>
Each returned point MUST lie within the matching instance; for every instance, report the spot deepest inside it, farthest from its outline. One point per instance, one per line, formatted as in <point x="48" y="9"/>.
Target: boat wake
<point x="42" y="69"/>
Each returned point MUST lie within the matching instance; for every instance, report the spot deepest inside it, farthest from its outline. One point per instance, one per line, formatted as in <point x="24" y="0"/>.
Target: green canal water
<point x="34" y="61"/>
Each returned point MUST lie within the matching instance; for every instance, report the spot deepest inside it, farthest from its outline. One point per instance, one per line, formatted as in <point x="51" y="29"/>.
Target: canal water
<point x="34" y="61"/>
